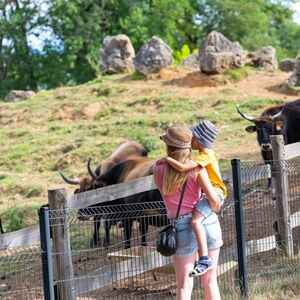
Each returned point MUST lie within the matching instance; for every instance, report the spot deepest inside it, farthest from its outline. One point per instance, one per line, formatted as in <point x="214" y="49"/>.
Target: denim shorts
<point x="203" y="205"/>
<point x="187" y="243"/>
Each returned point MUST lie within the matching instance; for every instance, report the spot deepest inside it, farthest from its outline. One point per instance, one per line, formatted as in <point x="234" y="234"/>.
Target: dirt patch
<point x="190" y="80"/>
<point x="260" y="85"/>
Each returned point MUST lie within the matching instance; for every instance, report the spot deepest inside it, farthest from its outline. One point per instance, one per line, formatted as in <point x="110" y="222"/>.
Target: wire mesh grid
<point x="20" y="273"/>
<point x="103" y="269"/>
<point x="266" y="259"/>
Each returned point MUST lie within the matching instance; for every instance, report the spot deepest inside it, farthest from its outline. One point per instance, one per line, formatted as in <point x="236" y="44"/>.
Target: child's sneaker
<point x="201" y="267"/>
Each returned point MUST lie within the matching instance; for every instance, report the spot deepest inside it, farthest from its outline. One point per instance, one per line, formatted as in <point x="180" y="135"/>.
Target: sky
<point x="37" y="42"/>
<point x="296" y="8"/>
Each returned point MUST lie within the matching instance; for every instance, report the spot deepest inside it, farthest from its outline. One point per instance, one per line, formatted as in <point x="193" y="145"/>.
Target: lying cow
<point x="132" y="168"/>
<point x="124" y="151"/>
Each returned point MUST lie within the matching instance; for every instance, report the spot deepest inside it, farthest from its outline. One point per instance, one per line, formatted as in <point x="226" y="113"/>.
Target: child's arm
<point x="161" y="161"/>
<point x="180" y="167"/>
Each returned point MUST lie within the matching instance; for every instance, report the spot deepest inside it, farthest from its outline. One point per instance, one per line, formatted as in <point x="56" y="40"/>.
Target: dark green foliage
<point x="13" y="218"/>
<point x="76" y="29"/>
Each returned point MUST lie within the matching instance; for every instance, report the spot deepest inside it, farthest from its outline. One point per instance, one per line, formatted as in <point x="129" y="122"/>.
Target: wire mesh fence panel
<point x="114" y="256"/>
<point x="228" y="262"/>
<point x="266" y="259"/>
<point x="21" y="274"/>
<point x="108" y="251"/>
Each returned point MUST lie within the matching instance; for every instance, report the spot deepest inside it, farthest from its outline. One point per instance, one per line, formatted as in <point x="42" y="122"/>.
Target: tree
<point x="80" y="26"/>
<point x="170" y="20"/>
<point x="18" y="19"/>
<point x="253" y="23"/>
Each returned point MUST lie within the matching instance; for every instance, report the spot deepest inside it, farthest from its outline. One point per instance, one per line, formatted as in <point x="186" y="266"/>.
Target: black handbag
<point x="166" y="240"/>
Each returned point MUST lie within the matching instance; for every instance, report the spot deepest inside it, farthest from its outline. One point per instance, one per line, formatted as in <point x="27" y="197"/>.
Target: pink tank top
<point x="191" y="195"/>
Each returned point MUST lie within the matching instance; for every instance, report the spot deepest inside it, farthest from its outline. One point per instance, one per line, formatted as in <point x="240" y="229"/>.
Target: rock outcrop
<point x="217" y="54"/>
<point x="264" y="58"/>
<point x="192" y="61"/>
<point x="153" y="57"/>
<point x="18" y="95"/>
<point x="117" y="54"/>
<point x="287" y="64"/>
<point x="294" y="80"/>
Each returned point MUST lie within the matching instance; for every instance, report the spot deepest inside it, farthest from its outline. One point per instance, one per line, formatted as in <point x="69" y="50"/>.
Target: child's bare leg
<point x="196" y="224"/>
<point x="204" y="263"/>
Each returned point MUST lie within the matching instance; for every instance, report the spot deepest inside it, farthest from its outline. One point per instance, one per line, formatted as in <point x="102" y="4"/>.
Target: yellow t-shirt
<point x="208" y="159"/>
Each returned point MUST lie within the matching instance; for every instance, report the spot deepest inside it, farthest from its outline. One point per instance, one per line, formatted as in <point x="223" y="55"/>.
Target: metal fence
<point x="271" y="254"/>
<point x="139" y="272"/>
<point x="85" y="266"/>
<point x="21" y="273"/>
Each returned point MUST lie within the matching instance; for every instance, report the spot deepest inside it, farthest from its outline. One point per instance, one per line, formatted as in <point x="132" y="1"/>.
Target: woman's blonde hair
<point x="178" y="140"/>
<point x="172" y="178"/>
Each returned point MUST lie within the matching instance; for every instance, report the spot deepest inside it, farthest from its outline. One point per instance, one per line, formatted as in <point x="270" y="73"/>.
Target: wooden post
<point x="64" y="273"/>
<point x="282" y="194"/>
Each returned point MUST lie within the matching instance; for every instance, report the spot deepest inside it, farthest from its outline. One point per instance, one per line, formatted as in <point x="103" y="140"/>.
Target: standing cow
<point x="281" y="119"/>
<point x="132" y="168"/>
<point x="124" y="151"/>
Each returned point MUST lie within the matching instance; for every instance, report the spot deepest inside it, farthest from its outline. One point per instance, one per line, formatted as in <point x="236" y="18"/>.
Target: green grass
<point x="276" y="289"/>
<point x="61" y="129"/>
<point x="16" y="217"/>
<point x="240" y="73"/>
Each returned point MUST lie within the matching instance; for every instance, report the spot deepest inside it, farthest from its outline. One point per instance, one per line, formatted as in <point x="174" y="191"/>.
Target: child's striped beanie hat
<point x="205" y="132"/>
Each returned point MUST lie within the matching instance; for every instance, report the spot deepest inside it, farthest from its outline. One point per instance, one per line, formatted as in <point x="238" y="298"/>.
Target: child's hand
<point x="161" y="161"/>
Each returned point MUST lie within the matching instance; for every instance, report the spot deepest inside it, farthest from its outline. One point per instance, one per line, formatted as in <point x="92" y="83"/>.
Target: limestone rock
<point x="287" y="65"/>
<point x="17" y="96"/>
<point x="218" y="54"/>
<point x="153" y="57"/>
<point x="294" y="80"/>
<point x="117" y="54"/>
<point x="264" y="57"/>
<point x="192" y="61"/>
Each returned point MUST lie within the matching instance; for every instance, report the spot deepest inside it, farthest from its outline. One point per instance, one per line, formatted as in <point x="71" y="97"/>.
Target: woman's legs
<point x="183" y="266"/>
<point x="209" y="279"/>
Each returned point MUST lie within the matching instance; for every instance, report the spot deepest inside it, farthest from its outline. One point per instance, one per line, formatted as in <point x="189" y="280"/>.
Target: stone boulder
<point x="117" y="54"/>
<point x="153" y="57"/>
<point x="17" y="96"/>
<point x="192" y="61"/>
<point x="287" y="64"/>
<point x="294" y="80"/>
<point x="217" y="54"/>
<point x="264" y="57"/>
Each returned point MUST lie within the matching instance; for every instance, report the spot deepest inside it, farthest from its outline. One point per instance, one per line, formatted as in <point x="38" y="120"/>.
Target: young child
<point x="204" y="135"/>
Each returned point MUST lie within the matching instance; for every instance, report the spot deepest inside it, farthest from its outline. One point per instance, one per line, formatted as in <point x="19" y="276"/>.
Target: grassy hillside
<point x="60" y="129"/>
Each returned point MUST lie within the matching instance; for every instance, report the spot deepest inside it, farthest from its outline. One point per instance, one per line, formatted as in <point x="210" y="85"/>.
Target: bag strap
<point x="180" y="201"/>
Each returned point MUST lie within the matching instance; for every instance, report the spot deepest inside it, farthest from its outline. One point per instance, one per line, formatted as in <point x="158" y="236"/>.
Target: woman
<point x="169" y="182"/>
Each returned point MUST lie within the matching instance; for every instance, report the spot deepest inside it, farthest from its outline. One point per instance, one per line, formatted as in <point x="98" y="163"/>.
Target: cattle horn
<point x="91" y="172"/>
<point x="249" y="118"/>
<point x="279" y="113"/>
<point x="68" y="180"/>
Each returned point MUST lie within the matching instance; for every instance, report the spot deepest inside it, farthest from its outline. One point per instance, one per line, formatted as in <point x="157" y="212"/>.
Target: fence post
<point x="282" y="195"/>
<point x="46" y="253"/>
<point x="61" y="244"/>
<point x="239" y="222"/>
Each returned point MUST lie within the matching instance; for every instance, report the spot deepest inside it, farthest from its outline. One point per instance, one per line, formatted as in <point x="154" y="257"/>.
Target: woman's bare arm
<point x="180" y="167"/>
<point x="205" y="184"/>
